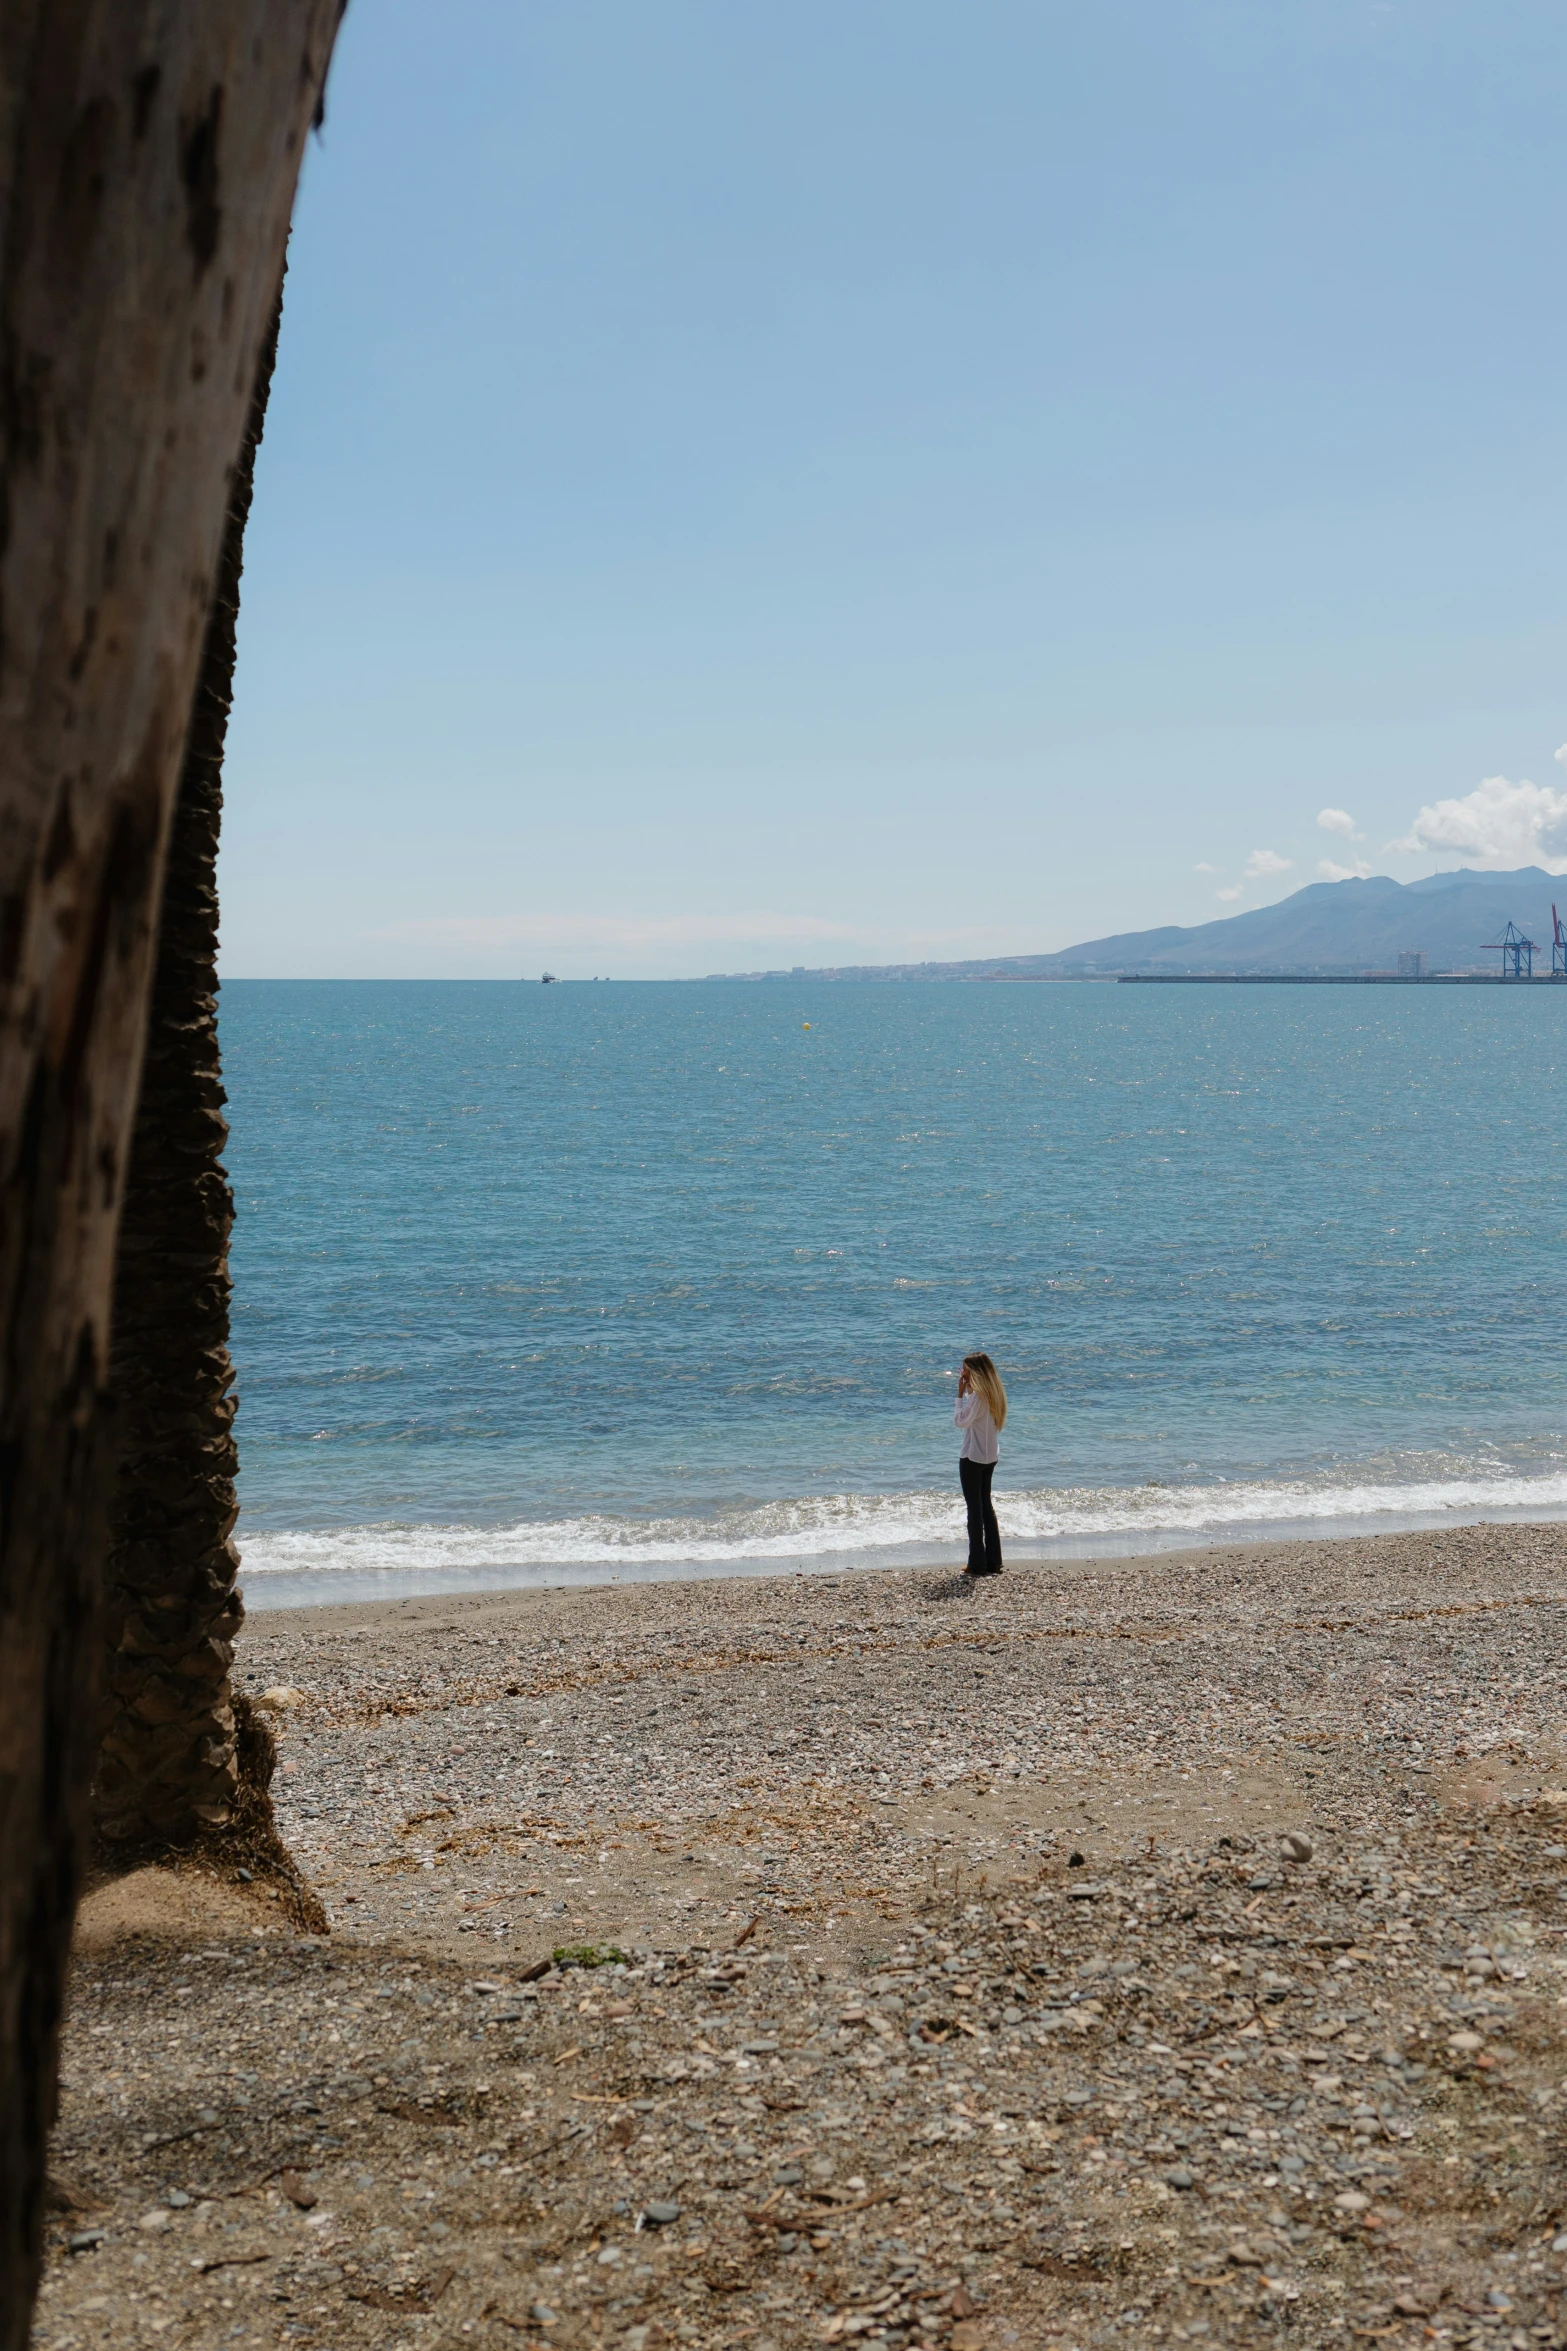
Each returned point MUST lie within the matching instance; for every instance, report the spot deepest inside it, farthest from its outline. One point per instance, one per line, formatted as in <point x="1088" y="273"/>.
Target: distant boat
<point x="547" y="979"/>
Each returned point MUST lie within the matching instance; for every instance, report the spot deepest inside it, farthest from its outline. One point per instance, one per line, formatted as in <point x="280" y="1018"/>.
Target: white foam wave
<point x="828" y="1527"/>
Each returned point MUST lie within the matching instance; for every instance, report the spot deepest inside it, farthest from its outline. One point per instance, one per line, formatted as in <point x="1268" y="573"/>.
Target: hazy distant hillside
<point x="1346" y="926"/>
<point x="1327" y="927"/>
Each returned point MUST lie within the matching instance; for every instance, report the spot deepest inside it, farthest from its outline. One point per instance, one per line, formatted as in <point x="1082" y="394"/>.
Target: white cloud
<point x="1264" y="862"/>
<point x="1358" y="872"/>
<point x="1205" y="869"/>
<point x="1338" y="820"/>
<point x="1499" y="826"/>
<point x="1224" y="896"/>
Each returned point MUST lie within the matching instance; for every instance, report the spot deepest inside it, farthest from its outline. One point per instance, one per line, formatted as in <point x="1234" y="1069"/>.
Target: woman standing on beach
<point x="981" y="1413"/>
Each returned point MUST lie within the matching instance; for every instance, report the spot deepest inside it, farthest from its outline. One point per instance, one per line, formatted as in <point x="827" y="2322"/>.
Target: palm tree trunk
<point x="167" y="1769"/>
<point x="148" y="158"/>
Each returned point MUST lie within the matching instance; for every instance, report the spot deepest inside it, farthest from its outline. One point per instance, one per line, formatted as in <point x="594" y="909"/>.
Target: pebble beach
<point x="1154" y="1950"/>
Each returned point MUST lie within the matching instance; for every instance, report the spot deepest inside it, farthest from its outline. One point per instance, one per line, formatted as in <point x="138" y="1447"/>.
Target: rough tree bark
<point x="168" y="1768"/>
<point x="148" y="156"/>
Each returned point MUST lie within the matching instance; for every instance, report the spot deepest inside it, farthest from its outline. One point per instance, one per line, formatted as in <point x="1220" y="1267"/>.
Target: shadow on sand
<point x="956" y="1586"/>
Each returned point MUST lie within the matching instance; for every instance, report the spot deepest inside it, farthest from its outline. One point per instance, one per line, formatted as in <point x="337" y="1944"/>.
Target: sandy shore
<point x="1027" y="2032"/>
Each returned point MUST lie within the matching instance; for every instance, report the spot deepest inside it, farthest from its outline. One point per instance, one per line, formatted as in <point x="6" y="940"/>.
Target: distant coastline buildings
<point x="1357" y="929"/>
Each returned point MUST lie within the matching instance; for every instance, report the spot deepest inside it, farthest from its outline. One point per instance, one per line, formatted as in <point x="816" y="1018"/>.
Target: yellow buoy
<point x="805" y="1024"/>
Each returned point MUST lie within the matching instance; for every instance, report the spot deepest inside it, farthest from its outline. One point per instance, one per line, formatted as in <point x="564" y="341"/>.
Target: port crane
<point x="1518" y="953"/>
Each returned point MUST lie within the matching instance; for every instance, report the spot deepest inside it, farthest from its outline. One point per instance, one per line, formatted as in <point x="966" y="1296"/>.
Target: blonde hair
<point x="987" y="1385"/>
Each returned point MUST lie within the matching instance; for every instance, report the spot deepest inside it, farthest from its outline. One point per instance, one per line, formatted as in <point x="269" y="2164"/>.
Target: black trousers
<point x="984" y="1536"/>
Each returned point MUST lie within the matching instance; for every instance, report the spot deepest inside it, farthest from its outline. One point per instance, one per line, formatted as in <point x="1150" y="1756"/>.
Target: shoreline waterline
<point x="267" y="1589"/>
<point x="528" y="1286"/>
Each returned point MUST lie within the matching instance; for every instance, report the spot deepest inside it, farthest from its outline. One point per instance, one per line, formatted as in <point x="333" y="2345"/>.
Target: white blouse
<point x="972" y="1415"/>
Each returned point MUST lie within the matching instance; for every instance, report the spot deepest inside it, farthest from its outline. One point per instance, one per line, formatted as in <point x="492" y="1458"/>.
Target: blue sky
<point x="755" y="486"/>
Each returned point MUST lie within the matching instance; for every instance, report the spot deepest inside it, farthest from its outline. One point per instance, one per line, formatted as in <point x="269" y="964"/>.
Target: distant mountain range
<point x="1327" y="927"/>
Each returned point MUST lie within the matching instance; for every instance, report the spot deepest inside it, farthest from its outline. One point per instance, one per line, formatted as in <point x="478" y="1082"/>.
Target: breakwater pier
<point x="1338" y="979"/>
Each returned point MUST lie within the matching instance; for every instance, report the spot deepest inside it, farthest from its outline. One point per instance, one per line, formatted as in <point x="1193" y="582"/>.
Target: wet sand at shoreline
<point x="1011" y="1942"/>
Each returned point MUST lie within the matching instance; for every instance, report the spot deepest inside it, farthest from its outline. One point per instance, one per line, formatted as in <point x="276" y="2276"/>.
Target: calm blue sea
<point x="538" y="1284"/>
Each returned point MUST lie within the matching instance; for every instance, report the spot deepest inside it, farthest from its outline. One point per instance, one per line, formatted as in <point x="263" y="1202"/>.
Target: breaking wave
<point x="871" y="1530"/>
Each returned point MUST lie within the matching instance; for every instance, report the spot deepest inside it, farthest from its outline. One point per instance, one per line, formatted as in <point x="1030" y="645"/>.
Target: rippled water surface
<point x="580" y="1280"/>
